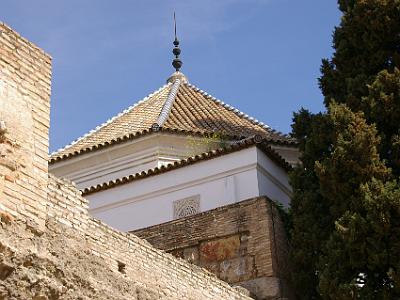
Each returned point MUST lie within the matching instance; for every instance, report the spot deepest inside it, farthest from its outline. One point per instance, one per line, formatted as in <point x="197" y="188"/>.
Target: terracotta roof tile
<point x="185" y="108"/>
<point x="194" y="110"/>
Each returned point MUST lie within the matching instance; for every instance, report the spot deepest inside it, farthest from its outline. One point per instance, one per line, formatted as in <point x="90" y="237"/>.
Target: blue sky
<point x="261" y="56"/>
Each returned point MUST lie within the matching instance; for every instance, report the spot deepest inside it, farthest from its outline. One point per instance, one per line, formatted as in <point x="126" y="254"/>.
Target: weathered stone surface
<point x="62" y="271"/>
<point x="5" y="270"/>
<point x="219" y="249"/>
<point x="264" y="287"/>
<point x="237" y="269"/>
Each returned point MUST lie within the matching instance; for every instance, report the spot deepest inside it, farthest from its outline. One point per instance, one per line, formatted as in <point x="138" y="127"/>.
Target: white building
<point x="177" y="152"/>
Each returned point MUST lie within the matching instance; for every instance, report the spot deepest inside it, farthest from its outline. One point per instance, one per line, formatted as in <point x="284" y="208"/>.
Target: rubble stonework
<point x="50" y="248"/>
<point x="243" y="244"/>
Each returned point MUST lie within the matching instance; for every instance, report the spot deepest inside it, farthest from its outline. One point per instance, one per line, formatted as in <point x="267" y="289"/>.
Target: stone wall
<point x="50" y="248"/>
<point x="25" y="80"/>
<point x="243" y="243"/>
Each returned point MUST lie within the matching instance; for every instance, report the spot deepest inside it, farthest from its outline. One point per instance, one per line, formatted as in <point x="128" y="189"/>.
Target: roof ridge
<point x="166" y="109"/>
<point x="238" y="112"/>
<point x="125" y="111"/>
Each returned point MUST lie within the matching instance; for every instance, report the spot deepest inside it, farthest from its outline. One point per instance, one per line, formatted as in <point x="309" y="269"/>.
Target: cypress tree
<point x="346" y="202"/>
<point x="363" y="72"/>
<point x="310" y="213"/>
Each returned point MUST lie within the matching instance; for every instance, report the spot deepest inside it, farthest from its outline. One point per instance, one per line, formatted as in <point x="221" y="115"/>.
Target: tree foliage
<point x="363" y="72"/>
<point x="346" y="202"/>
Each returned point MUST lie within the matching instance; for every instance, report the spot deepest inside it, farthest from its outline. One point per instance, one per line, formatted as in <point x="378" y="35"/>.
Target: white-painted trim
<point x="168" y="103"/>
<point x="118" y="164"/>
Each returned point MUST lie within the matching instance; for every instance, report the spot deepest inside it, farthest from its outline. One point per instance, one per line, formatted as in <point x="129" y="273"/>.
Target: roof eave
<point x="132" y="136"/>
<point x="243" y="144"/>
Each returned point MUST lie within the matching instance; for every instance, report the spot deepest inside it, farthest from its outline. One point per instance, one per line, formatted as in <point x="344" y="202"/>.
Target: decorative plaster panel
<point x="186" y="207"/>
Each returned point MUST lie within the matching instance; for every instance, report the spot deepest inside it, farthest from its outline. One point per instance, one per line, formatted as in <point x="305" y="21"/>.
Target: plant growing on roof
<point x="206" y="143"/>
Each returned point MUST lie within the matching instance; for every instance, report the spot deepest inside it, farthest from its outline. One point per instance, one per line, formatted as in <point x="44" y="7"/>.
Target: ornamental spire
<point x="176" y="63"/>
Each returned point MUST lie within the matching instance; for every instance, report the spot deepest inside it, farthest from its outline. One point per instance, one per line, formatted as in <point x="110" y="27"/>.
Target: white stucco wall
<point x="272" y="180"/>
<point x="217" y="182"/>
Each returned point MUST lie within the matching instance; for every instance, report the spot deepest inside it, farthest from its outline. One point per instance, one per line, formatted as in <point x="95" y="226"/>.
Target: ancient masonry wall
<point x="134" y="257"/>
<point x="50" y="248"/>
<point x="25" y="80"/>
<point x="244" y="244"/>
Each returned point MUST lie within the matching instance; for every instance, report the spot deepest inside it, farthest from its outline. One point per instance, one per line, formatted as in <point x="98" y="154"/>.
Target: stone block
<point x="263" y="288"/>
<point x="237" y="269"/>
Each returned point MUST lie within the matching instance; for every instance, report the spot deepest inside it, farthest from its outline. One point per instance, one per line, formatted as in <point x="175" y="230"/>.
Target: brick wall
<point x="50" y="248"/>
<point x="243" y="243"/>
<point x="25" y="79"/>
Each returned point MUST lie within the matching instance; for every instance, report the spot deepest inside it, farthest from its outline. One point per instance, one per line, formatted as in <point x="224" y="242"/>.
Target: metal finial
<point x="175" y="25"/>
<point x="176" y="63"/>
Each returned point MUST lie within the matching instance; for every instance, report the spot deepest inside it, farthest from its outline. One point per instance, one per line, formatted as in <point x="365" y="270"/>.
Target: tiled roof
<point x="136" y="118"/>
<point x="177" y="106"/>
<point x="257" y="140"/>
<point x="194" y="110"/>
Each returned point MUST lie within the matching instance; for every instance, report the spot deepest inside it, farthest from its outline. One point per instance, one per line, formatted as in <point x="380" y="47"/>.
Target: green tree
<point x="358" y="261"/>
<point x="346" y="203"/>
<point x="367" y="56"/>
<point x="311" y="220"/>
